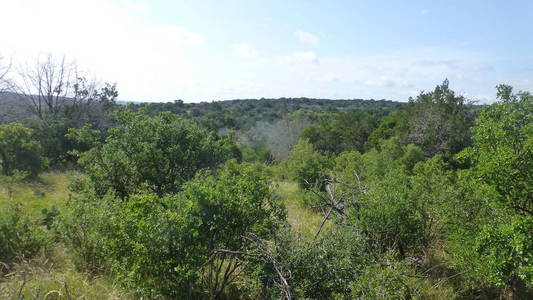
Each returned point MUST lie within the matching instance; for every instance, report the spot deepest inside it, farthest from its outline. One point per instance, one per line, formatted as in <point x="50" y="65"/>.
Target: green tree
<point x="342" y="131"/>
<point x="503" y="148"/>
<point x="491" y="239"/>
<point x="18" y="151"/>
<point x="157" y="154"/>
<point x="439" y="121"/>
<point x="497" y="251"/>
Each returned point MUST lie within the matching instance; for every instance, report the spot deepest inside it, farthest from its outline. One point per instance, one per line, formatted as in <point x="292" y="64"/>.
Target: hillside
<point x="11" y="108"/>
<point x="238" y="113"/>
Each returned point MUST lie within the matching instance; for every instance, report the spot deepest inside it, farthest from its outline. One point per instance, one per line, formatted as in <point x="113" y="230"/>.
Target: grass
<point x="52" y="275"/>
<point x="303" y="220"/>
<point x="50" y="188"/>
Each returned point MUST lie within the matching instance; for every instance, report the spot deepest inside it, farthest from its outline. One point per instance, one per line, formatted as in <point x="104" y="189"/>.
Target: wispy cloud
<point x="299" y="57"/>
<point x="307" y="38"/>
<point x="245" y="50"/>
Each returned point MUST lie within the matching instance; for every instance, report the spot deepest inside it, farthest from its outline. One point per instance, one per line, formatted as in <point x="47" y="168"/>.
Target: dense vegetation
<point x="260" y="199"/>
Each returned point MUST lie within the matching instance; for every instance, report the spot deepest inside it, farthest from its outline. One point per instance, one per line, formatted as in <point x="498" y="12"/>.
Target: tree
<point x="236" y="208"/>
<point x="18" y="151"/>
<point x="497" y="249"/>
<point x="158" y="154"/>
<point x="440" y="121"/>
<point x="47" y="85"/>
<point x="54" y="84"/>
<point x="21" y="237"/>
<point x="503" y="148"/>
<point x="60" y="97"/>
<point x="339" y="132"/>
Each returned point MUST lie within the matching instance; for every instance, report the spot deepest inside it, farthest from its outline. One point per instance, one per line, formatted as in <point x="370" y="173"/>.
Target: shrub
<point x="308" y="167"/>
<point x="160" y="245"/>
<point x="18" y="151"/>
<point x="20" y="235"/>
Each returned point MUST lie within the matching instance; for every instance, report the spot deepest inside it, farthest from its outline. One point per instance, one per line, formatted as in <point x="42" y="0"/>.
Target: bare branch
<point x="4" y="70"/>
<point x="263" y="252"/>
<point x="46" y="85"/>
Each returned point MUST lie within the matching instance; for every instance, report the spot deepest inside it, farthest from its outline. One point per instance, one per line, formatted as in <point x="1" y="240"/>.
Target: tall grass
<point x="51" y="274"/>
<point x="50" y="188"/>
<point x="302" y="219"/>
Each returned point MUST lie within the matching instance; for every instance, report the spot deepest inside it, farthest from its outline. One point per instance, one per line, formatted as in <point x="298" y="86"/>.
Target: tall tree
<point x="154" y="153"/>
<point x="46" y="85"/>
<point x="53" y="84"/>
<point x="440" y="121"/>
<point x="503" y="148"/>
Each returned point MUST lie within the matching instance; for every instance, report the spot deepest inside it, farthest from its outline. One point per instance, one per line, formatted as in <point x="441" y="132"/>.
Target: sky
<point x="205" y="50"/>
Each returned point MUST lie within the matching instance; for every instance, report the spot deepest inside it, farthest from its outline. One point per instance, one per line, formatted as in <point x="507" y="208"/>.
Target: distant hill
<point x="236" y="113"/>
<point x="11" y="108"/>
<point x="244" y="113"/>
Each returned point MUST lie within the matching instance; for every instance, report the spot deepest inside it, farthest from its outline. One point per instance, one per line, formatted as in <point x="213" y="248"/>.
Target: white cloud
<point x="175" y="35"/>
<point x="245" y="50"/>
<point x="307" y="38"/>
<point x="134" y="5"/>
<point x="302" y="57"/>
<point x="144" y="59"/>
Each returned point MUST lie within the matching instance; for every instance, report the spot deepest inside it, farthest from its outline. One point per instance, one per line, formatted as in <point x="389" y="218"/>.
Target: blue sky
<point x="198" y="50"/>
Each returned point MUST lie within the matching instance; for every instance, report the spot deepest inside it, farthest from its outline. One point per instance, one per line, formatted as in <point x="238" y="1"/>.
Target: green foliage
<point x="439" y="121"/>
<point x="89" y="107"/>
<point x="506" y="252"/>
<point x="325" y="268"/>
<point x="18" y="151"/>
<point x="503" y="150"/>
<point x="20" y="235"/>
<point x="388" y="215"/>
<point x="244" y="114"/>
<point x="393" y="125"/>
<point x="158" y="154"/>
<point x="51" y="136"/>
<point x="342" y="132"/>
<point x="382" y="280"/>
<point x="494" y="243"/>
<point x="165" y="214"/>
<point x="82" y="223"/>
<point x="395" y="204"/>
<point x="159" y="244"/>
<point x="306" y="166"/>
<point x="258" y="153"/>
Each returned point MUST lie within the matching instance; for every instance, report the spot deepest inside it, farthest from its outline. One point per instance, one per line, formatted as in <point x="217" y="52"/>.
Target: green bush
<point x="382" y="280"/>
<point x="307" y="167"/>
<point x="18" y="151"/>
<point x="160" y="245"/>
<point x="20" y="235"/>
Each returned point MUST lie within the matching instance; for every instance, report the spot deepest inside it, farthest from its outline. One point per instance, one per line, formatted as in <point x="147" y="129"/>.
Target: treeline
<point x="432" y="199"/>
